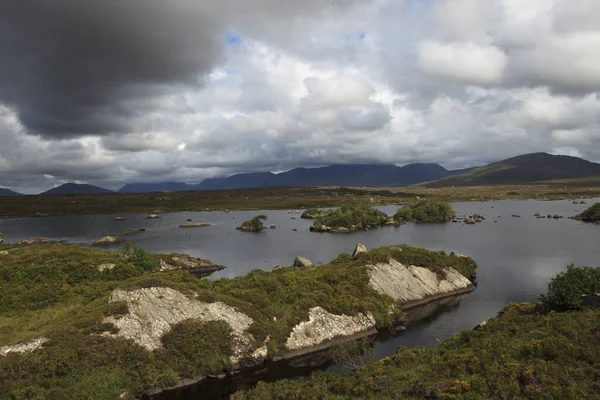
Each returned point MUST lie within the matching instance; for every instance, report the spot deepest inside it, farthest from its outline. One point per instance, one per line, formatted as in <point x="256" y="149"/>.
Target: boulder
<point x="119" y="219"/>
<point x="273" y="226"/>
<point x="153" y="216"/>
<point x="190" y="224"/>
<point x="302" y="262"/>
<point x="359" y="249"/>
<point x="108" y="240"/>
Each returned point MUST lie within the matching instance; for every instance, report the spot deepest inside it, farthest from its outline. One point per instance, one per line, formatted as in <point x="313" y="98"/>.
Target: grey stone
<point x="302" y="262"/>
<point x="359" y="249"/>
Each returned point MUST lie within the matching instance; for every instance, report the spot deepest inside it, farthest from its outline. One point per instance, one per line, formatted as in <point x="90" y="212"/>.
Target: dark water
<point x="516" y="256"/>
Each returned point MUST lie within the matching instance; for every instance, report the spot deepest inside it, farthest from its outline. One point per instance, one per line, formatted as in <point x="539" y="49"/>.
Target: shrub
<point x="141" y="258"/>
<point x="358" y="216"/>
<point x="565" y="291"/>
<point x="195" y="348"/>
<point x="425" y="212"/>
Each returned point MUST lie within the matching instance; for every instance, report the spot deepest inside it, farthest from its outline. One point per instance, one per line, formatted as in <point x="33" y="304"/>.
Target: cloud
<point x="119" y="91"/>
<point x="464" y="62"/>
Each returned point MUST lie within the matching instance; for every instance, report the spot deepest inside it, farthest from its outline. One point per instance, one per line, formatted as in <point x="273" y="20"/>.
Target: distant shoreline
<point x="275" y="199"/>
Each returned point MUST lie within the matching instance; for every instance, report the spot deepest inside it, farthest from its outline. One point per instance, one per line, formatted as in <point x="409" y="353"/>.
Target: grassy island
<point x="548" y="350"/>
<point x="350" y="218"/>
<point x="60" y="293"/>
<point x="253" y="225"/>
<point x="425" y="212"/>
<point x="592" y="214"/>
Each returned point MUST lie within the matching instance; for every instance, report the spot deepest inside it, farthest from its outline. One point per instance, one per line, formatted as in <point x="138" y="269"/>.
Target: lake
<point x="517" y="257"/>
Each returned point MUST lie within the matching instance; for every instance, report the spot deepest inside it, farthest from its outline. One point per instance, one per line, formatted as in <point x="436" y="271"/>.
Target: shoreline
<point x="312" y="352"/>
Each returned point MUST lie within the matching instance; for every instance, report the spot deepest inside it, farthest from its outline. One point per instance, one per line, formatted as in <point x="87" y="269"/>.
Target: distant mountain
<point x="239" y="181"/>
<point x="333" y="175"/>
<point x="8" y="192"/>
<point x="75" y="188"/>
<point x="527" y="168"/>
<point x="156" y="187"/>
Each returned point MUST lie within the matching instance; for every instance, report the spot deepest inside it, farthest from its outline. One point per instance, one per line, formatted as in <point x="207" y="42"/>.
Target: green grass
<point x="57" y="292"/>
<point x="529" y="351"/>
<point x="425" y="212"/>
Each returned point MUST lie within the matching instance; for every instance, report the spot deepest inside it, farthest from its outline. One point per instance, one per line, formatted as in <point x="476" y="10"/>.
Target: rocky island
<point x="253" y="225"/>
<point x="161" y="325"/>
<point x="592" y="214"/>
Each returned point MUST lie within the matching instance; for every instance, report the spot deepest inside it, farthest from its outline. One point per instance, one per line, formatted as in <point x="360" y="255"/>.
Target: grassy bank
<point x="57" y="292"/>
<point x="592" y="214"/>
<point x="278" y="198"/>
<point x="530" y="351"/>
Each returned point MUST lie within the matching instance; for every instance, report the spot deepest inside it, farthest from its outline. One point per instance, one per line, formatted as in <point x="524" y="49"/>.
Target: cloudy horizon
<point x="114" y="92"/>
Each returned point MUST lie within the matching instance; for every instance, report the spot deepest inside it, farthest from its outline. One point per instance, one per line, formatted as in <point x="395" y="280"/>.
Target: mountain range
<point x="527" y="168"/>
<point x="333" y="175"/>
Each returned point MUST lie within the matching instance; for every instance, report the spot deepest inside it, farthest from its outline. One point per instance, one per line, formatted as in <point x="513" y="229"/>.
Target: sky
<point x="123" y="91"/>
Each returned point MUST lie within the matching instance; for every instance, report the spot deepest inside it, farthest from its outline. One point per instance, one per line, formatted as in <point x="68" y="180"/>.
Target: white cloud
<point x="464" y="62"/>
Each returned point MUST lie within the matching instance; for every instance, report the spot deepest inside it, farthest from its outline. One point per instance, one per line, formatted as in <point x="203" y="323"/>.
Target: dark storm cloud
<point x="67" y="66"/>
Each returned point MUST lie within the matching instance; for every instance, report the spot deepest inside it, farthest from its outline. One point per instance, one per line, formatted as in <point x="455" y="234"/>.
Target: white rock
<point x="25" y="347"/>
<point x="106" y="267"/>
<point x="153" y="311"/>
<point x="410" y="283"/>
<point x="323" y="326"/>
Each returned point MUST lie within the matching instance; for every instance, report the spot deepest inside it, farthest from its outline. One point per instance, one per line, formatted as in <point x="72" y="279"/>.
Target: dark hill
<point x="8" y="192"/>
<point x="527" y="168"/>
<point x="75" y="188"/>
<point x="156" y="187"/>
<point x="332" y="175"/>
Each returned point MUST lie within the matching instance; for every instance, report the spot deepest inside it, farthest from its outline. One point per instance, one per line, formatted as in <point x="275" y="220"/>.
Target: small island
<point x="592" y="214"/>
<point x="253" y="225"/>
<point x="191" y="224"/>
<point x="350" y="219"/>
<point x="425" y="212"/>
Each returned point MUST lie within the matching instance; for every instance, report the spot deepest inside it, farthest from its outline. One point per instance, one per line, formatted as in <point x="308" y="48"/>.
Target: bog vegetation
<point x="548" y="350"/>
<point x="57" y="292"/>
<point x="425" y="212"/>
<point x="356" y="217"/>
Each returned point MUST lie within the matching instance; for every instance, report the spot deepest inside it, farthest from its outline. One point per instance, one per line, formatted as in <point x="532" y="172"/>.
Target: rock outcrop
<point x="310" y="214"/>
<point x="108" y="240"/>
<point x="302" y="262"/>
<point x="359" y="249"/>
<point x="25" y="347"/>
<point x="195" y="266"/>
<point x="323" y="326"/>
<point x="134" y="231"/>
<point x="37" y="240"/>
<point x="153" y="311"/>
<point x="407" y="284"/>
